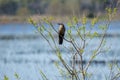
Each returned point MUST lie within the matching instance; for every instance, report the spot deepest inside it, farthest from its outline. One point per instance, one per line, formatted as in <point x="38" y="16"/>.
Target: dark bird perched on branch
<point x="61" y="33"/>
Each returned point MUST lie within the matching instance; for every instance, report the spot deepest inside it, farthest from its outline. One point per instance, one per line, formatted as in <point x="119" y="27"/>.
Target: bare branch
<point x="116" y="76"/>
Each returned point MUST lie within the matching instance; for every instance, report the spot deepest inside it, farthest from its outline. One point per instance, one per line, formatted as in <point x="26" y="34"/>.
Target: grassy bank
<point x="12" y="19"/>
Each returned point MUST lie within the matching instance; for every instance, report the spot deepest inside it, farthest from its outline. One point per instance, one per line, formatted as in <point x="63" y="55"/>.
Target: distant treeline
<point x="53" y="7"/>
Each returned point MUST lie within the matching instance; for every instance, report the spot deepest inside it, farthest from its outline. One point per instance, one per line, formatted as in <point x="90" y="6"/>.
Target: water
<point x="24" y="52"/>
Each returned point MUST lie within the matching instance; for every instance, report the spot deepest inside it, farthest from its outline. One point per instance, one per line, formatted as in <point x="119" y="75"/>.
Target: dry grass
<point x="12" y="19"/>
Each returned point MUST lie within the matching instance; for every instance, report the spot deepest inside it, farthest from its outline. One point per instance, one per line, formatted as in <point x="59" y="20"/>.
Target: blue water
<point x="24" y="52"/>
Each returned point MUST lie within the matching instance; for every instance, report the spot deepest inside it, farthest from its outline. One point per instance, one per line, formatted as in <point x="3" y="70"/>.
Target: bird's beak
<point x="59" y="23"/>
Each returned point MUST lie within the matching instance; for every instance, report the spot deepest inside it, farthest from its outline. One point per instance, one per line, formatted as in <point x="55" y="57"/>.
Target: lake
<point x="25" y="52"/>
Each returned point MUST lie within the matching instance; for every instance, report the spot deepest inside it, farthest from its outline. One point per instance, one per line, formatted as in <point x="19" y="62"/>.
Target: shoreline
<point x="5" y="19"/>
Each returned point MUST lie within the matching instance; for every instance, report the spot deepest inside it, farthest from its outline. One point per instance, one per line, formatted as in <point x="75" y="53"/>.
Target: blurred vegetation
<point x="53" y="7"/>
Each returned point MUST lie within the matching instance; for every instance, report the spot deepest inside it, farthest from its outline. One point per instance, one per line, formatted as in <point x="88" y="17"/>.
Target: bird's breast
<point x="61" y="29"/>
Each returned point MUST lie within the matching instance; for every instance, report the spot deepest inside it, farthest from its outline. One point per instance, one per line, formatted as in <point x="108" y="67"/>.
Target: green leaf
<point x="75" y="20"/>
<point x="95" y="34"/>
<point x="110" y="65"/>
<point x="51" y="36"/>
<point x="41" y="28"/>
<point x="79" y="34"/>
<point x="103" y="27"/>
<point x="51" y="18"/>
<point x="104" y="43"/>
<point x="59" y="55"/>
<point x="69" y="24"/>
<point x="84" y="20"/>
<point x="31" y="21"/>
<point x="6" y="78"/>
<point x="94" y="54"/>
<point x="59" y="68"/>
<point x="94" y="21"/>
<point x="115" y="10"/>
<point x="69" y="31"/>
<point x="81" y="51"/>
<point x="16" y="76"/>
<point x="92" y="35"/>
<point x="46" y="21"/>
<point x="81" y="28"/>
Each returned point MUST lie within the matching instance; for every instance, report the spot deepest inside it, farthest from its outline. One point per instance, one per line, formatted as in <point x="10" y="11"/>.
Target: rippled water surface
<point x="24" y="52"/>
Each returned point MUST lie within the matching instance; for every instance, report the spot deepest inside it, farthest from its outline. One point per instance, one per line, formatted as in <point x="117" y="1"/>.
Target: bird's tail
<point x="60" y="39"/>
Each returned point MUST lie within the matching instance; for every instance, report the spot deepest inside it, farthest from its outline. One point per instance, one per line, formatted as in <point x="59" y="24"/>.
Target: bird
<point x="61" y="32"/>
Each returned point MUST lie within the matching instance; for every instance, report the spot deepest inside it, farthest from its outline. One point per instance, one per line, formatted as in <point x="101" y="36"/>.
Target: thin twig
<point x="116" y="76"/>
<point x="97" y="50"/>
<point x="66" y="66"/>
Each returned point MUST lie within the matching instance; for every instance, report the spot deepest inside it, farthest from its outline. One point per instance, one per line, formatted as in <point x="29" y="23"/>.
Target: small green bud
<point x="6" y="78"/>
<point x="69" y="31"/>
<point x="31" y="21"/>
<point x="84" y="20"/>
<point x="81" y="51"/>
<point x="94" y="21"/>
<point x="75" y="20"/>
<point x="16" y="76"/>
